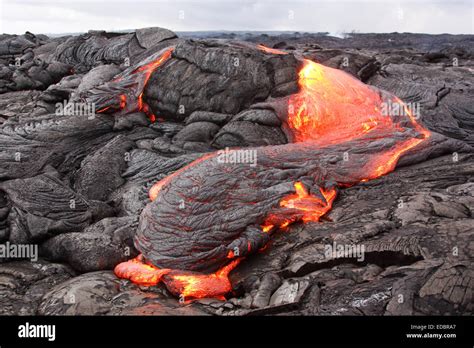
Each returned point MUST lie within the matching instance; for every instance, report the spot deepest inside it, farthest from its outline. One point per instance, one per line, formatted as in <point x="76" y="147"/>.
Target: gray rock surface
<point x="75" y="185"/>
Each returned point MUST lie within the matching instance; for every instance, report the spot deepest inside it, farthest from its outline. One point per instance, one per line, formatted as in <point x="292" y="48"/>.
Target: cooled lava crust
<point x="203" y="219"/>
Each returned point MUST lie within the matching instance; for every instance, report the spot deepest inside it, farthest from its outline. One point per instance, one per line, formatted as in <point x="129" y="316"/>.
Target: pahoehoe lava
<point x="270" y="158"/>
<point x="207" y="216"/>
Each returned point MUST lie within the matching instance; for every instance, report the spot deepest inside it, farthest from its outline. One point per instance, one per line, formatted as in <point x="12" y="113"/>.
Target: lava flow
<point x="148" y="69"/>
<point x="310" y="207"/>
<point x="186" y="285"/>
<point x="143" y="74"/>
<point x="331" y="108"/>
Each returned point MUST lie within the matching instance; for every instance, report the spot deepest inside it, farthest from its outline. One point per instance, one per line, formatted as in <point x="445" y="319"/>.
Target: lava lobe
<point x="203" y="219"/>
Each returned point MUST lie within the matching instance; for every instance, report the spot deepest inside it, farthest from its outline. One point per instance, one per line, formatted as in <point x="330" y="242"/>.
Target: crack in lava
<point x="143" y="74"/>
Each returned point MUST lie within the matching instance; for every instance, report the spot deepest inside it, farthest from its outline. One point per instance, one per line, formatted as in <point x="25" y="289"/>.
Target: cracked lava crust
<point x="231" y="210"/>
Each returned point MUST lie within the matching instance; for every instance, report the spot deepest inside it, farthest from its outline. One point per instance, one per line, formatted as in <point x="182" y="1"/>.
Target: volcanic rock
<point x="235" y="77"/>
<point x="100" y="172"/>
<point x="77" y="184"/>
<point x="31" y="220"/>
<point x="247" y="133"/>
<point x="99" y="247"/>
<point x="204" y="116"/>
<point x="99" y="293"/>
<point x="28" y="144"/>
<point x="23" y="284"/>
<point x="197" y="131"/>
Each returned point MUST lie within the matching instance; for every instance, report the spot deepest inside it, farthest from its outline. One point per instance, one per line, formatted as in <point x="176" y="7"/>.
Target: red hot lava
<point x="143" y="73"/>
<point x="331" y="108"/>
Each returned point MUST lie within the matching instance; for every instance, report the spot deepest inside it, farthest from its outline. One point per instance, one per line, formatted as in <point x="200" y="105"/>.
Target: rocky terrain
<point x="75" y="185"/>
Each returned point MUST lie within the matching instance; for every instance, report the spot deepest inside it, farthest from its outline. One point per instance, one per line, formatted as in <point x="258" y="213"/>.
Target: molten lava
<point x="186" y="285"/>
<point x="270" y="50"/>
<point x="307" y="207"/>
<point x="140" y="272"/>
<point x="312" y="207"/>
<point x="201" y="285"/>
<point x="331" y="108"/>
<point x="143" y="72"/>
<point x="147" y="70"/>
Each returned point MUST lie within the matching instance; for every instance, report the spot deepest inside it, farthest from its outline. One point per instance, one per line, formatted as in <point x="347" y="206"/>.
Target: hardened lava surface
<point x="138" y="182"/>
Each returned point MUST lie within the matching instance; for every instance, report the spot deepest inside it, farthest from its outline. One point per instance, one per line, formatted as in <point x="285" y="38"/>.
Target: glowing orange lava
<point x="313" y="207"/>
<point x="270" y="50"/>
<point x="186" y="285"/>
<point x="202" y="285"/>
<point x="146" y="71"/>
<point x="139" y="272"/>
<point x="305" y="207"/>
<point x="331" y="108"/>
<point x="123" y="101"/>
